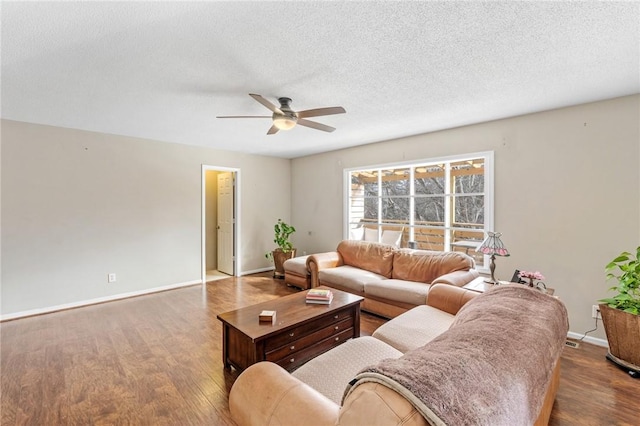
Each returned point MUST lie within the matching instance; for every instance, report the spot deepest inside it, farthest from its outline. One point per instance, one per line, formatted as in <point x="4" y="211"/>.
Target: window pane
<point x="429" y="210"/>
<point x="356" y="210"/>
<point x="429" y="238"/>
<point x="469" y="211"/>
<point x="371" y="209"/>
<point x="395" y="182"/>
<point x="429" y="180"/>
<point x="468" y="176"/>
<point x="364" y="182"/>
<point x="395" y="209"/>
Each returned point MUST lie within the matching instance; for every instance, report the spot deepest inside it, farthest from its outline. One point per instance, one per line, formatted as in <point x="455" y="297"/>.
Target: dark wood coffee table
<point x="301" y="332"/>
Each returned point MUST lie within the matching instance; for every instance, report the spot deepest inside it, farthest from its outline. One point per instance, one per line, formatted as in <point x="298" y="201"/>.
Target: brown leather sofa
<point x="391" y="280"/>
<point x="515" y="381"/>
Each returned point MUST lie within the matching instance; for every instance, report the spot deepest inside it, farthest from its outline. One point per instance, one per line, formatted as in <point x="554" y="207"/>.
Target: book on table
<point x="319" y="296"/>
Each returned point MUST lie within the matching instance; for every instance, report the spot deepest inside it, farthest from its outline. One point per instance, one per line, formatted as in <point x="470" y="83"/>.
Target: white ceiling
<point x="165" y="70"/>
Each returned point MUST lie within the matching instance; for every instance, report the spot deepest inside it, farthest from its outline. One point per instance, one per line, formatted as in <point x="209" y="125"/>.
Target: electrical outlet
<point x="111" y="278"/>
<point x="595" y="312"/>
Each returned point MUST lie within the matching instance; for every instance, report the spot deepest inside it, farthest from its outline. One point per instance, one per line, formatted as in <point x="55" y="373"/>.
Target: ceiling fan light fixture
<point x="282" y="122"/>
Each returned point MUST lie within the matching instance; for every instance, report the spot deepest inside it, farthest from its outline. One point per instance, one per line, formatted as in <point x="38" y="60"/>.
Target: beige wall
<point x="567" y="193"/>
<point x="78" y="205"/>
<point x="211" y="212"/>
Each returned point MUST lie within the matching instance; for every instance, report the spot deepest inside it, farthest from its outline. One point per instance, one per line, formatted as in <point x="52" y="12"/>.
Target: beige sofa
<point x="390" y="279"/>
<point x="496" y="363"/>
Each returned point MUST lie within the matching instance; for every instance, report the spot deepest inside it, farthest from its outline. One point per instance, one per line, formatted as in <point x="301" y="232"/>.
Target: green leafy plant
<point x="628" y="267"/>
<point x="282" y="233"/>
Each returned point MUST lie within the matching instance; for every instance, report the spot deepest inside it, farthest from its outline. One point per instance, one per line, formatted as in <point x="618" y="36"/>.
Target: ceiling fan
<point x="284" y="118"/>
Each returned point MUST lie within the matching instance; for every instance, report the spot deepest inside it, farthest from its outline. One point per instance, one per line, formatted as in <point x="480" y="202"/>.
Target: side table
<point x="479" y="285"/>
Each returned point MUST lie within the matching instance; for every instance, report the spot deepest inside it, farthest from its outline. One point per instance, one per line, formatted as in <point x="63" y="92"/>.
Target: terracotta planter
<point x="623" y="335"/>
<point x="278" y="261"/>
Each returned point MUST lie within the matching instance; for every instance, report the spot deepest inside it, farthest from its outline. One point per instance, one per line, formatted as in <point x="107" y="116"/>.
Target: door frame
<point x="236" y="215"/>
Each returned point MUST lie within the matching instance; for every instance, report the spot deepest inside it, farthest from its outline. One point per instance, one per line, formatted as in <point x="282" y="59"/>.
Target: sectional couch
<point x="464" y="358"/>
<point x="391" y="280"/>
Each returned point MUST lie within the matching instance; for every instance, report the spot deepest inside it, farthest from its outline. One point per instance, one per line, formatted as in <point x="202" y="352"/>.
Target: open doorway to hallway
<point x="220" y="222"/>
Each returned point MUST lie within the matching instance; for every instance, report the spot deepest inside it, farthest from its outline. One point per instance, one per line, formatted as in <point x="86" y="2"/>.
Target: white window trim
<point x="489" y="187"/>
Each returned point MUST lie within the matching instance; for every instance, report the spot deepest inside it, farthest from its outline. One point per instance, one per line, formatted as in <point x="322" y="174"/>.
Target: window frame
<point x="488" y="193"/>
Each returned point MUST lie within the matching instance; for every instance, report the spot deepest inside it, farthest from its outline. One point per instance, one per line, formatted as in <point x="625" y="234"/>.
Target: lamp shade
<point x="284" y="122"/>
<point x="493" y="246"/>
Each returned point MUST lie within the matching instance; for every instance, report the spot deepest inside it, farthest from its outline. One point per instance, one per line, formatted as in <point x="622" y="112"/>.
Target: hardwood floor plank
<point x="157" y="359"/>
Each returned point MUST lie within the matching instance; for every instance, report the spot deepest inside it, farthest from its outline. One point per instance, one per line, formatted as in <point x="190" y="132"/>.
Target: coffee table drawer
<point x="295" y="360"/>
<point x="291" y="335"/>
<point x="310" y="339"/>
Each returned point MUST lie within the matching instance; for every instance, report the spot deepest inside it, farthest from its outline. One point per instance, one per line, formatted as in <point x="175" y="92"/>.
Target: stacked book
<point x="320" y="296"/>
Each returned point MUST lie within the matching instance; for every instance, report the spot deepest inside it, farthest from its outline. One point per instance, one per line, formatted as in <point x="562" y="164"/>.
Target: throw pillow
<point x="370" y="234"/>
<point x="391" y="237"/>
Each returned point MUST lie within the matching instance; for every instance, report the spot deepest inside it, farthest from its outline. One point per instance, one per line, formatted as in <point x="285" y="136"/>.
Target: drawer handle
<point x="337" y="339"/>
<point x="292" y="347"/>
<point x="291" y="334"/>
<point x="336" y="316"/>
<point x="336" y="327"/>
<point x="292" y="360"/>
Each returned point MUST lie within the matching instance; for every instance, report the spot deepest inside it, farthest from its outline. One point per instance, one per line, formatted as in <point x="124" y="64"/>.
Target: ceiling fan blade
<point x="243" y="116"/>
<point x="266" y="103"/>
<point x="320" y="111"/>
<point x="314" y="125"/>
<point x="272" y="130"/>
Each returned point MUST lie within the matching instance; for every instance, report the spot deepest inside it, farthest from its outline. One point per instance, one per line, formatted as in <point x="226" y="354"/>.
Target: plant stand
<point x="279" y="258"/>
<point x="623" y="333"/>
<point x="629" y="368"/>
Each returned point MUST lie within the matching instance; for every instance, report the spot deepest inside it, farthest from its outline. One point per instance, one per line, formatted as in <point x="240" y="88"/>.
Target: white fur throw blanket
<point x="492" y="367"/>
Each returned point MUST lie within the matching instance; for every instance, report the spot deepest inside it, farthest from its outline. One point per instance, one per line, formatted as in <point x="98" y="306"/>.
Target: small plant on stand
<point x="285" y="249"/>
<point x="621" y="313"/>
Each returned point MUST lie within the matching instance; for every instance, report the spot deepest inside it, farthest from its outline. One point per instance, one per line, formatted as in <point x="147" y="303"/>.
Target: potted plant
<point x="285" y="248"/>
<point x="621" y="313"/>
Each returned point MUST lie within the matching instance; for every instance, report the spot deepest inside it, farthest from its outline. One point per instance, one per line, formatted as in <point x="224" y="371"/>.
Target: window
<point x="443" y="204"/>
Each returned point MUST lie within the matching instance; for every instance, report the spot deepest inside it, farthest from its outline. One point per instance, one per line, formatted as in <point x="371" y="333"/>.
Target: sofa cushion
<point x="296" y="265"/>
<point x="425" y="265"/>
<point x="410" y="292"/>
<point x="370" y="256"/>
<point x="331" y="372"/>
<point x="414" y="328"/>
<point x="348" y="278"/>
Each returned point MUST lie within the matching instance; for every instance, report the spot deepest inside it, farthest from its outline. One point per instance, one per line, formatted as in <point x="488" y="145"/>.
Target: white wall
<point x="567" y="192"/>
<point x="78" y="205"/>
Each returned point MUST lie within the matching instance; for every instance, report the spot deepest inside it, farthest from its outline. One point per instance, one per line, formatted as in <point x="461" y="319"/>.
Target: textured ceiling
<point x="164" y="70"/>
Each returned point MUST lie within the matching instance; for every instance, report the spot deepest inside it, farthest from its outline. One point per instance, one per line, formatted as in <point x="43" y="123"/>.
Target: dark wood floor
<point x="156" y="360"/>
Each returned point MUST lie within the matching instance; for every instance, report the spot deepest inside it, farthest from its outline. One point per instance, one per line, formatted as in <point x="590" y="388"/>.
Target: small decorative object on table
<point x="533" y="276"/>
<point x="319" y="296"/>
<point x="268" y="316"/>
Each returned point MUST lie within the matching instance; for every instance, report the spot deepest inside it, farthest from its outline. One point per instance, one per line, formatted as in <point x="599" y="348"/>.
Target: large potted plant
<point x="285" y="248"/>
<point x="621" y="313"/>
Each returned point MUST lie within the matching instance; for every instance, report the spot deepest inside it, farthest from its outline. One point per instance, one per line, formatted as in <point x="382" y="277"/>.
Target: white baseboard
<point x="256" y="271"/>
<point x="593" y="340"/>
<point x="82" y="303"/>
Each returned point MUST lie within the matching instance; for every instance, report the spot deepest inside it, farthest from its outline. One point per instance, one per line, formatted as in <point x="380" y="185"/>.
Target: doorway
<point x="220" y="222"/>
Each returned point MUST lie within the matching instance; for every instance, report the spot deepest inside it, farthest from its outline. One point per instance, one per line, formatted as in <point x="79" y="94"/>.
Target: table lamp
<point x="493" y="246"/>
